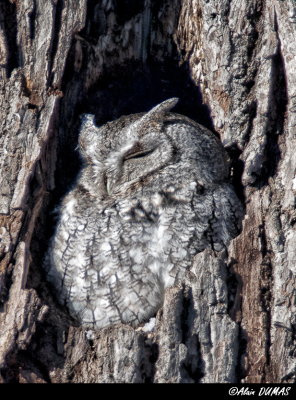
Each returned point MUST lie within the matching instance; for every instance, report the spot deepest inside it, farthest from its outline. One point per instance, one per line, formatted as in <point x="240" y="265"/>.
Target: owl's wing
<point x="213" y="215"/>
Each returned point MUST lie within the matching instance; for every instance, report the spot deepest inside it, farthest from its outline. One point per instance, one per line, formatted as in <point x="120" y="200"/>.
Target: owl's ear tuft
<point x="88" y="136"/>
<point x="155" y="113"/>
<point x="87" y="120"/>
<point x="163" y="107"/>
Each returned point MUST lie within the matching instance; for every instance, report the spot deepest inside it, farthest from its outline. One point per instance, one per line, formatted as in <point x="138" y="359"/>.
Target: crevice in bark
<point x="10" y="373"/>
<point x="263" y="240"/>
<point x="47" y="344"/>
<point x="234" y="308"/>
<point x="193" y="365"/>
<point x="24" y="361"/>
<point x="148" y="365"/>
<point x="40" y="188"/>
<point x="278" y="101"/>
<point x="293" y="338"/>
<point x="266" y="285"/>
<point x="240" y="370"/>
<point x="252" y="114"/>
<point x="5" y="284"/>
<point x="9" y="23"/>
<point x="28" y="361"/>
<point x="32" y="17"/>
<point x="186" y="317"/>
<point x="266" y="304"/>
<point x="236" y="171"/>
<point x="58" y="8"/>
<point x="234" y="285"/>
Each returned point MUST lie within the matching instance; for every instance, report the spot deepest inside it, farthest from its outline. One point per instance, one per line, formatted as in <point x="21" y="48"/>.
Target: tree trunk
<point x="232" y="64"/>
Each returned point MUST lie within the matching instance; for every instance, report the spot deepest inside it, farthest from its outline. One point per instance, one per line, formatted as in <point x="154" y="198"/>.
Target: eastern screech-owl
<point x="152" y="193"/>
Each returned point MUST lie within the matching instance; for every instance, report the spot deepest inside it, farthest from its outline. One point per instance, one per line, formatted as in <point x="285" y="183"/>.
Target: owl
<point x="152" y="193"/>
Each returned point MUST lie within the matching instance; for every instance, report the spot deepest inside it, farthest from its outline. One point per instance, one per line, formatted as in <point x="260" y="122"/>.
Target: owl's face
<point x="138" y="159"/>
<point x="120" y="158"/>
<point x="129" y="152"/>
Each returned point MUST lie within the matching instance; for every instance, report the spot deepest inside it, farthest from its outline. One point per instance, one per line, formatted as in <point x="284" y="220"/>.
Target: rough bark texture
<point x="232" y="64"/>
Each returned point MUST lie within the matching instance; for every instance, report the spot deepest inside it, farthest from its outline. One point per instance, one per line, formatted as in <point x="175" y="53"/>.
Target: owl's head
<point x="130" y="152"/>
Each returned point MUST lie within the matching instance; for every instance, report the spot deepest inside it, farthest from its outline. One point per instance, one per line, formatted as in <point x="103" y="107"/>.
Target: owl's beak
<point x="108" y="187"/>
<point x="106" y="183"/>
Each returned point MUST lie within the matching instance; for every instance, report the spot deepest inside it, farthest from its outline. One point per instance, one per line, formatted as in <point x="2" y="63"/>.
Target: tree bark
<point x="232" y="64"/>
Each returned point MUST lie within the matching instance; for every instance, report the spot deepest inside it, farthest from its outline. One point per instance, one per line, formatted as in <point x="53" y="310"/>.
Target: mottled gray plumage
<point x="153" y="192"/>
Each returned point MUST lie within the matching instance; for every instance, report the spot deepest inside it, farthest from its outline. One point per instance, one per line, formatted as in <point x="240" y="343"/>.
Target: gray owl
<point x="152" y="193"/>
